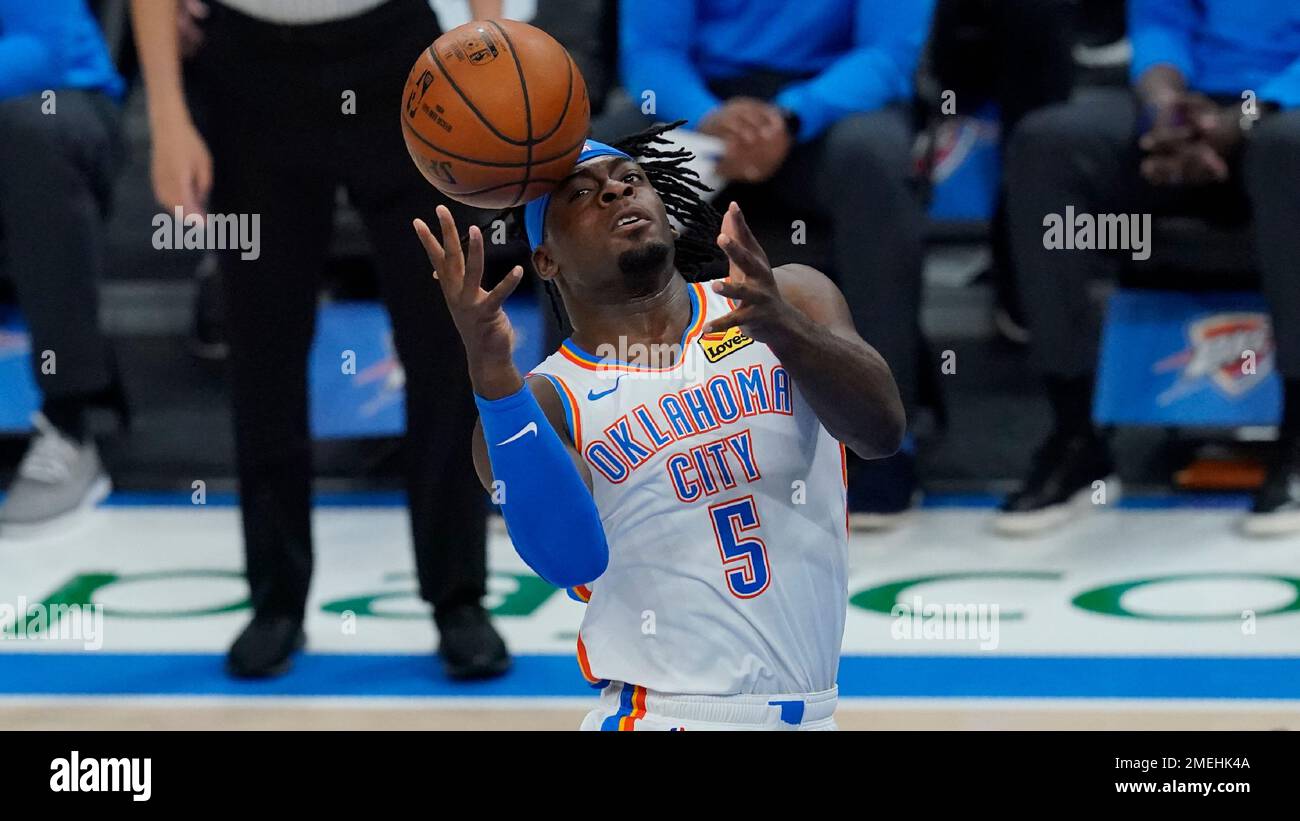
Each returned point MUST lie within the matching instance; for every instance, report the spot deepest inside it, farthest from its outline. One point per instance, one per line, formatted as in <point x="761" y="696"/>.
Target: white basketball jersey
<point x="723" y="502"/>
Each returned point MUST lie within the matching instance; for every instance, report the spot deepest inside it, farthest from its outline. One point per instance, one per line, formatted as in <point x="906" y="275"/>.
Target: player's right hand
<point x="479" y="315"/>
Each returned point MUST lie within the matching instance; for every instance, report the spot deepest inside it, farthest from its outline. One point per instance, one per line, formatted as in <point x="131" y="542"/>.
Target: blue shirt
<point x="1222" y="46"/>
<point x="52" y="44"/>
<point x="857" y="55"/>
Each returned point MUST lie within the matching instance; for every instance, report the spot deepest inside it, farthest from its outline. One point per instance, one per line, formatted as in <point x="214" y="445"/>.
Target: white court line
<point x="569" y="703"/>
<point x="1097" y="704"/>
<point x="308" y="702"/>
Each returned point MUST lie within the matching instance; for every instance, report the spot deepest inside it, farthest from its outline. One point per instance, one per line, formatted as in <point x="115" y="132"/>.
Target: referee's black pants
<point x="282" y="141"/>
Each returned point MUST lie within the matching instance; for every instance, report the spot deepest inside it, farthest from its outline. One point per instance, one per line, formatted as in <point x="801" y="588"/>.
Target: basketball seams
<point x="510" y="184"/>
<point x="564" y="111"/>
<point x="470" y="103"/>
<point x="415" y="132"/>
<point x="541" y="158"/>
<point x="528" y="108"/>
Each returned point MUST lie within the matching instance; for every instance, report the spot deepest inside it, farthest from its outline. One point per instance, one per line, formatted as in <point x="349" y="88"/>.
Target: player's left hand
<point x="763" y="313"/>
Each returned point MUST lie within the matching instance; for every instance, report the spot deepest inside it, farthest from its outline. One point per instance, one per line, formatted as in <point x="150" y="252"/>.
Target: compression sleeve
<point x="549" y="512"/>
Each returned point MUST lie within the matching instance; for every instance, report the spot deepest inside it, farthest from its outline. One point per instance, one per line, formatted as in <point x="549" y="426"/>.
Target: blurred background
<point x="163" y="316"/>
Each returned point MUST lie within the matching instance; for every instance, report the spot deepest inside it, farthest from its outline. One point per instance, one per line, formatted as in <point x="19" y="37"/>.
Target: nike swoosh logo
<point x="531" y="427"/>
<point x="593" y="396"/>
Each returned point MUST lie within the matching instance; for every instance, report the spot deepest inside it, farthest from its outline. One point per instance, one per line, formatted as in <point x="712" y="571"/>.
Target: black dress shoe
<point x="1275" y="510"/>
<point x="265" y="649"/>
<point x="469" y="645"/>
<point x="1060" y="484"/>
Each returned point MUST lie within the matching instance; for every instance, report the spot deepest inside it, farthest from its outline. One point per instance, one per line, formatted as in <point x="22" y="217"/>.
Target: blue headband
<point x="535" y="211"/>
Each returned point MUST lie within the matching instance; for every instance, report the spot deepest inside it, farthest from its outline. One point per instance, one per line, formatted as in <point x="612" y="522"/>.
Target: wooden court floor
<point x="301" y="714"/>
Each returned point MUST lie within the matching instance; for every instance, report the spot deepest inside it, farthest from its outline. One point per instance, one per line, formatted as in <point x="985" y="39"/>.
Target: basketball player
<point x="695" y="503"/>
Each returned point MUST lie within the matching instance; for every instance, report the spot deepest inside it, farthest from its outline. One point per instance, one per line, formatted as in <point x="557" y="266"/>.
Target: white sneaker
<point x="57" y="478"/>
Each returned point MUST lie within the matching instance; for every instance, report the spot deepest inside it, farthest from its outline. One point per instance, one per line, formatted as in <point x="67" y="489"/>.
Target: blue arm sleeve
<point x="887" y="39"/>
<point x="549" y="512"/>
<point x="654" y="46"/>
<point x="1161" y="33"/>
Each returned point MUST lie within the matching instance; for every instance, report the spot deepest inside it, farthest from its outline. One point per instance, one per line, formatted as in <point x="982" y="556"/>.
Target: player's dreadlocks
<point x="681" y="190"/>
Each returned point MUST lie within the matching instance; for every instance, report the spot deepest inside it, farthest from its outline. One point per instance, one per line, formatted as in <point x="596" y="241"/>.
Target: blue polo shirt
<point x="1222" y="46"/>
<point x="52" y="44"/>
<point x="855" y="55"/>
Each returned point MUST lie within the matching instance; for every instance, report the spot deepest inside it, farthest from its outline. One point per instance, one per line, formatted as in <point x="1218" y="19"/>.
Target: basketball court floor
<point x="1152" y="614"/>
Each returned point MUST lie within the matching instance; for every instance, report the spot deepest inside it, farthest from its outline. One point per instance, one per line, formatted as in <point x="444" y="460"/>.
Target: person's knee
<point x="1053" y="131"/>
<point x="880" y="142"/>
<point x="68" y="142"/>
<point x="27" y="121"/>
<point x="1273" y="148"/>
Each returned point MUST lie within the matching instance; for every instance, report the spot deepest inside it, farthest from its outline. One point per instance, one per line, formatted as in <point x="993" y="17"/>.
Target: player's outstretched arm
<point x="800" y="314"/>
<point x="551" y="406"/>
<point x="531" y="470"/>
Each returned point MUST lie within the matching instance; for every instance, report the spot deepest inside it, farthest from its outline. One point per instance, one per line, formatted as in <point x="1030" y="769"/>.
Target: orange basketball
<point x="495" y="113"/>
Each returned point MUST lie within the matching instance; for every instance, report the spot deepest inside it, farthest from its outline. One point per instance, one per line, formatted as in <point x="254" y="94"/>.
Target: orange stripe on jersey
<point x="573" y="408"/>
<point x="703" y="300"/>
<point x="588" y="362"/>
<point x="583" y="664"/>
<point x="585" y="364"/>
<point x="844" y="471"/>
<point x="628" y="723"/>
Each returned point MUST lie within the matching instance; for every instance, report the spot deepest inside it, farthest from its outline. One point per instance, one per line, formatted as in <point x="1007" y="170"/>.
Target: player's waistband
<point x="789" y="708"/>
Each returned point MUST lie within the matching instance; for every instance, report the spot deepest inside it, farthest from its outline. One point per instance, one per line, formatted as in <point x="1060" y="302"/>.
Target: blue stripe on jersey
<point x="610" y="724"/>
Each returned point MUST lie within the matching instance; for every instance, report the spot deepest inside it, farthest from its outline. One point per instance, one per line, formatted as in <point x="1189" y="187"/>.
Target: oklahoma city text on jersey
<point x="722" y="498"/>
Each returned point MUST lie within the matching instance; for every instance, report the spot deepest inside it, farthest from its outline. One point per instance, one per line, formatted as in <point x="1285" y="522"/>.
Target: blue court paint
<point x="313" y="674"/>
<point x="361" y="675"/>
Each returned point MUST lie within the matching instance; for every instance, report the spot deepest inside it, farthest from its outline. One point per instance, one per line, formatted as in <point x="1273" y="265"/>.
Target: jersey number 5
<point x="744" y="559"/>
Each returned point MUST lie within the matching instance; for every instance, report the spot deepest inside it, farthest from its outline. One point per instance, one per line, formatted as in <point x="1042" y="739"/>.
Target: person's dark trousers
<point x="1270" y="172"/>
<point x="56" y="179"/>
<point x="1085" y="154"/>
<point x="282" y="140"/>
<point x="1017" y="53"/>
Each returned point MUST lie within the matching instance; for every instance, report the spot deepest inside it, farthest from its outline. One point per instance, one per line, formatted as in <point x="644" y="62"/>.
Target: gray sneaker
<point x="58" y="476"/>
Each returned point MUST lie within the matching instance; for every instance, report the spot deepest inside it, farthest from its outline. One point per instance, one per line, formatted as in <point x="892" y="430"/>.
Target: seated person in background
<point x="1180" y="140"/>
<point x="59" y="131"/>
<point x="811" y="99"/>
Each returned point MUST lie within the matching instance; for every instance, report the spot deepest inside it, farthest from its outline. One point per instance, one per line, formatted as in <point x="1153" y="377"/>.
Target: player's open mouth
<point x="630" y="221"/>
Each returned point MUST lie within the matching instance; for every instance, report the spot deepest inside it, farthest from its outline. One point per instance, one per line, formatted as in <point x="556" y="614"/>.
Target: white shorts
<point x="630" y="707"/>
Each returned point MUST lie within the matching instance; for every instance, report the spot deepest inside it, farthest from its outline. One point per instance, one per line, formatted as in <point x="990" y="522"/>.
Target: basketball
<point x="494" y="113"/>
